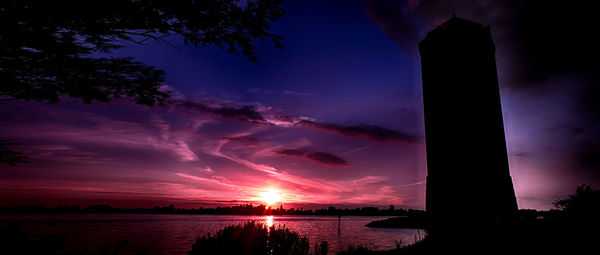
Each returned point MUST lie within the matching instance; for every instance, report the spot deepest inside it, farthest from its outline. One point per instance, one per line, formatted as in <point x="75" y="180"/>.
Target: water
<point x="174" y="234"/>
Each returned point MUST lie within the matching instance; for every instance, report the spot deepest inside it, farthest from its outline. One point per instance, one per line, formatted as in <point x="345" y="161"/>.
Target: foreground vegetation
<point x="255" y="238"/>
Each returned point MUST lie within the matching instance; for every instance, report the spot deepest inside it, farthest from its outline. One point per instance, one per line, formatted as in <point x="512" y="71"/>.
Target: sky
<point x="333" y="118"/>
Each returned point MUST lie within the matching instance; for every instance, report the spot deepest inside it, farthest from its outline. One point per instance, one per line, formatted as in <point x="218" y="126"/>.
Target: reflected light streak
<point x="269" y="221"/>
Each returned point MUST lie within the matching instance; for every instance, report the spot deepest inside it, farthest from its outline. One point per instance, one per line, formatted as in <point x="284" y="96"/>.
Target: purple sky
<point x="333" y="118"/>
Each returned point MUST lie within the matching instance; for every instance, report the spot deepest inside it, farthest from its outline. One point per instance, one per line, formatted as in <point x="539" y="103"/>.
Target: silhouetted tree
<point x="583" y="205"/>
<point x="45" y="46"/>
<point x="53" y="48"/>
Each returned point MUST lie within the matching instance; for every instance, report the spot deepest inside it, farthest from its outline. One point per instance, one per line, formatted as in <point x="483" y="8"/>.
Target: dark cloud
<point x="522" y="154"/>
<point x="321" y="157"/>
<point x="244" y="139"/>
<point x="374" y="132"/>
<point x="576" y="131"/>
<point x="395" y="21"/>
<point x="538" y="39"/>
<point x="251" y="114"/>
<point x="326" y="158"/>
<point x="568" y="128"/>
<point x="244" y="113"/>
<point x="292" y="152"/>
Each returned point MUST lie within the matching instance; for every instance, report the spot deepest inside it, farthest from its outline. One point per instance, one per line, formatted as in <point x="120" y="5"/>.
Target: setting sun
<point x="270" y="197"/>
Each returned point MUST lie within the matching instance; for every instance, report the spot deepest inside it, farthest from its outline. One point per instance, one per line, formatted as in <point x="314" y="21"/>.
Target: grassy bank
<point x="399" y="222"/>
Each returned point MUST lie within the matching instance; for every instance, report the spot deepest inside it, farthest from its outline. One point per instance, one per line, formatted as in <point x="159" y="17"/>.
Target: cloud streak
<point x="321" y="157"/>
<point x="298" y="188"/>
<point x="376" y="133"/>
<point x="266" y="116"/>
<point x="179" y="154"/>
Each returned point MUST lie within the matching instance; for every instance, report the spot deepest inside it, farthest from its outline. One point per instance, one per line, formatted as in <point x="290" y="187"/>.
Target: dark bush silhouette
<point x="583" y="205"/>
<point x="322" y="248"/>
<point x="251" y="238"/>
<point x="14" y="240"/>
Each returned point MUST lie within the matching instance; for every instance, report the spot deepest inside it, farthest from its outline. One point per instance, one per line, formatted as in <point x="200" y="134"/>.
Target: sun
<point x="270" y="197"/>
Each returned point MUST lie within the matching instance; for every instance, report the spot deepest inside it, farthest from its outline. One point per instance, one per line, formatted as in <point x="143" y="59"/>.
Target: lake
<point x="174" y="234"/>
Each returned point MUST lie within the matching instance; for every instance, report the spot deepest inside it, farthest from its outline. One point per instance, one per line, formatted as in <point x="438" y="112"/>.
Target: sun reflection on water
<point x="269" y="221"/>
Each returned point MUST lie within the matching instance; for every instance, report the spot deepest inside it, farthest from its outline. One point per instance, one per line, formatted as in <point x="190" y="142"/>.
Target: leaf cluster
<point x="51" y="48"/>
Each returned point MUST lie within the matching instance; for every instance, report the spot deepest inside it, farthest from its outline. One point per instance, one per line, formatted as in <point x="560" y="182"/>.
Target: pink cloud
<point x="163" y="153"/>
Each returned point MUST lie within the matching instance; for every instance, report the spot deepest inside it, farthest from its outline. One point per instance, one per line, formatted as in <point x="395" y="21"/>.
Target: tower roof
<point x="460" y="28"/>
<point x="458" y="23"/>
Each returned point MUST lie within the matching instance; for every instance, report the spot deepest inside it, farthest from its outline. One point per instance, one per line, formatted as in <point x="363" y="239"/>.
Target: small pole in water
<point x="339" y="223"/>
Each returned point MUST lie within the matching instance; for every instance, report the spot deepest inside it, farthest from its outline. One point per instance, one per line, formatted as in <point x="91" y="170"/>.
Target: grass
<point x="255" y="238"/>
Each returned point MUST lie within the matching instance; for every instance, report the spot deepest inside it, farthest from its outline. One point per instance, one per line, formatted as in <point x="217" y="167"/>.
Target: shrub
<point x="251" y="238"/>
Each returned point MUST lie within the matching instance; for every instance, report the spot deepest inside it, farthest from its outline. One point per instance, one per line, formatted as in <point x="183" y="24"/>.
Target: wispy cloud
<point x="181" y="154"/>
<point x="216" y="180"/>
<point x="370" y="131"/>
<point x="266" y="116"/>
<point x="299" y="188"/>
<point x="295" y="93"/>
<point x="321" y="157"/>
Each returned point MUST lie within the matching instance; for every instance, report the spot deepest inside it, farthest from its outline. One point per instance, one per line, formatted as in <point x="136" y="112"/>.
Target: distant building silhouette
<point x="468" y="182"/>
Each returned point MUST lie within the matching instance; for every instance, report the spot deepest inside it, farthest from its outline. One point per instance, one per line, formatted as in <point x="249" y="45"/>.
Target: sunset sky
<point x="333" y="118"/>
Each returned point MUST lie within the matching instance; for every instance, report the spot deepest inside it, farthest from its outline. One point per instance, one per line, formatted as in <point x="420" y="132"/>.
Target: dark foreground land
<point x="399" y="222"/>
<point x="572" y="228"/>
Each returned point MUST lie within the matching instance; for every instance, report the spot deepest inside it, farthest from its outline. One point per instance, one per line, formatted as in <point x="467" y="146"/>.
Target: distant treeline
<point x="245" y="209"/>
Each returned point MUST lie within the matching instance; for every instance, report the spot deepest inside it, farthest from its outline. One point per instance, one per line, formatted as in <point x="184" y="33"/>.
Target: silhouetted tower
<point x="468" y="180"/>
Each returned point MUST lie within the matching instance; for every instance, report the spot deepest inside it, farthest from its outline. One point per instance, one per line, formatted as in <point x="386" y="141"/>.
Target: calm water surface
<point x="174" y="234"/>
